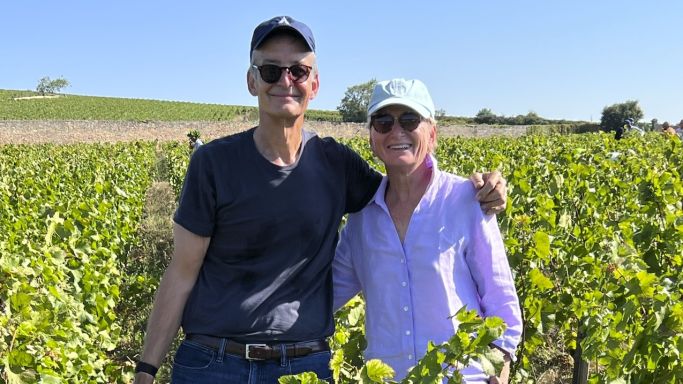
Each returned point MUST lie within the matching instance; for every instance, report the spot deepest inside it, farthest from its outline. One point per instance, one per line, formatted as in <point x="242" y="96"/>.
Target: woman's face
<point x="400" y="148"/>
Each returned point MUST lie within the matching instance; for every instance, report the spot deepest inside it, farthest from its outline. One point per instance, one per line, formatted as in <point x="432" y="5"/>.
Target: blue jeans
<point x="198" y="364"/>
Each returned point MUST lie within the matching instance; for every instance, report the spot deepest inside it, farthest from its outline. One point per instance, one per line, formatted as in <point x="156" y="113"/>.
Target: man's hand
<point x="491" y="191"/>
<point x="143" y="378"/>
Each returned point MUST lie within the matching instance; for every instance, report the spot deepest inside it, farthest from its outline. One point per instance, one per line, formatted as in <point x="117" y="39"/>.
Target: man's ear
<point x="251" y="82"/>
<point x="315" y="85"/>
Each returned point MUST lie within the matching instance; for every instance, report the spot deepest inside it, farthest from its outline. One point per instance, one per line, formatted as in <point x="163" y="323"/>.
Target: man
<point x="255" y="232"/>
<point x="667" y="129"/>
<point x="630" y="126"/>
<point x="194" y="141"/>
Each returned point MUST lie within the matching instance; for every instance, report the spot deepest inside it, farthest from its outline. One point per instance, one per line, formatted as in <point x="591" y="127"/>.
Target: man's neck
<point x="279" y="140"/>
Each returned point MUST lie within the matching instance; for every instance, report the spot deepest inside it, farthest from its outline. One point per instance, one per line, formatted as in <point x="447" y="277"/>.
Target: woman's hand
<point x="504" y="375"/>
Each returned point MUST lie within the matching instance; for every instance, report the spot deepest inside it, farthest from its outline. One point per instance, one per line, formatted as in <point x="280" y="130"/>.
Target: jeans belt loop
<point x="221" y="350"/>
<point x="283" y="355"/>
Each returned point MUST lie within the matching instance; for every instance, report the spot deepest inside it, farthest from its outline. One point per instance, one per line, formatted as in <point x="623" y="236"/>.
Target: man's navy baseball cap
<point x="278" y="23"/>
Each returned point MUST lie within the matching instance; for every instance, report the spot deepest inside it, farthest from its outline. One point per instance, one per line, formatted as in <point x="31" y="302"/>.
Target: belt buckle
<point x="247" y="347"/>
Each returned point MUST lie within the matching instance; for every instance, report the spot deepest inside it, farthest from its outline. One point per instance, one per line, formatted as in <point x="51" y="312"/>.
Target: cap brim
<point x="419" y="108"/>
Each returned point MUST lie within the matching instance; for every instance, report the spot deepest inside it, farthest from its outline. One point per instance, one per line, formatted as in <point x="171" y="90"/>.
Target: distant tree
<point x="440" y="114"/>
<point x="485" y="116"/>
<point x="354" y="105"/>
<point x="614" y="115"/>
<point x="653" y="125"/>
<point x="46" y="85"/>
<point x="532" y="118"/>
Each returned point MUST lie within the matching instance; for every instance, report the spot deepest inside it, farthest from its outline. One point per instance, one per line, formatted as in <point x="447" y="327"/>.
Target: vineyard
<point x="27" y="105"/>
<point x="593" y="230"/>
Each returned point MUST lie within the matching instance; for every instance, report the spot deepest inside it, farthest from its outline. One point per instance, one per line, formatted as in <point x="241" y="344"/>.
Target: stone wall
<point x="49" y="131"/>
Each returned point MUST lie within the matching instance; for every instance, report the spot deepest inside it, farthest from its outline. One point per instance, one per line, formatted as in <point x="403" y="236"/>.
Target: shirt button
<point x="410" y="357"/>
<point x="405" y="308"/>
<point x="408" y="333"/>
<point x="403" y="261"/>
<point x="404" y="283"/>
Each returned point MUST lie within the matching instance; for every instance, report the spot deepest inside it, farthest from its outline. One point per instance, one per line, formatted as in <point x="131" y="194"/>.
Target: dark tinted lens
<point x="409" y="121"/>
<point x="299" y="72"/>
<point x="382" y="123"/>
<point x="270" y="73"/>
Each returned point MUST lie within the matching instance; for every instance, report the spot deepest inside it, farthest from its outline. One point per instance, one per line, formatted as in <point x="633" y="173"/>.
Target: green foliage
<point x="302" y="378"/>
<point x="440" y="361"/>
<point x="68" y="217"/>
<point x="348" y="341"/>
<point x="594" y="235"/>
<point x="72" y="107"/>
<point x="354" y="105"/>
<point x="486" y="116"/>
<point x="177" y="159"/>
<point x="613" y="116"/>
<point x="318" y="115"/>
<point x="593" y="231"/>
<point x="46" y="85"/>
<point x="455" y="120"/>
<point x="562" y="129"/>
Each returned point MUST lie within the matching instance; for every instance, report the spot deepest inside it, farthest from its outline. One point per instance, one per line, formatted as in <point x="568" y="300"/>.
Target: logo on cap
<point x="398" y="88"/>
<point x="283" y="21"/>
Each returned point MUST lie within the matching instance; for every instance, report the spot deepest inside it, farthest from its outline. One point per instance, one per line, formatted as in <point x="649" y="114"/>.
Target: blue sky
<point x="560" y="59"/>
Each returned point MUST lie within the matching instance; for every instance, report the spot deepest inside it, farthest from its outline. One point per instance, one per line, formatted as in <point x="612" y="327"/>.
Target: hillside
<point x="27" y="117"/>
<point x="28" y="105"/>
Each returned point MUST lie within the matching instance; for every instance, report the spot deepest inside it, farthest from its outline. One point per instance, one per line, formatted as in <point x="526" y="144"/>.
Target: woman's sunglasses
<point x="383" y="123"/>
<point x="271" y="73"/>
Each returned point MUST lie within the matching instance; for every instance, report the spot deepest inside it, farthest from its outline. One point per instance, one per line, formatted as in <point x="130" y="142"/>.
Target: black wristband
<point x="149" y="369"/>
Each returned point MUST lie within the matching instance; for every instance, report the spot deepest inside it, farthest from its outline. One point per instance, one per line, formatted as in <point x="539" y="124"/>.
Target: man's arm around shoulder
<point x="174" y="289"/>
<point x="491" y="191"/>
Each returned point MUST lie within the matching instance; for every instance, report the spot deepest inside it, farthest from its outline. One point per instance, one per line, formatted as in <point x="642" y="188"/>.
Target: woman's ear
<point x="432" y="139"/>
<point x="372" y="143"/>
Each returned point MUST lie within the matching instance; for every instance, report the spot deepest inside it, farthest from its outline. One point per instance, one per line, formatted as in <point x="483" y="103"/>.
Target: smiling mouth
<point x="401" y="147"/>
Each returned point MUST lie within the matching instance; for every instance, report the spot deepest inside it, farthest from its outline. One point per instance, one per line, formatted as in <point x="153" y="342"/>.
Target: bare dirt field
<point x="85" y="131"/>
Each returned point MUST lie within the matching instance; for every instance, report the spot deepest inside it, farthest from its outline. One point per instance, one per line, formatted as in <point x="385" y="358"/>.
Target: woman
<point x="422" y="248"/>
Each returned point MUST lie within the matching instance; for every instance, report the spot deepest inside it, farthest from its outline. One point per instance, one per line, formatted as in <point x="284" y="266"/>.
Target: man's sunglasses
<point x="271" y="73"/>
<point x="383" y="123"/>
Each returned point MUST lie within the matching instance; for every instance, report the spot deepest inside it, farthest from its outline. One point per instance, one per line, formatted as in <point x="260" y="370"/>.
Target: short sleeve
<point x="197" y="204"/>
<point x="361" y="180"/>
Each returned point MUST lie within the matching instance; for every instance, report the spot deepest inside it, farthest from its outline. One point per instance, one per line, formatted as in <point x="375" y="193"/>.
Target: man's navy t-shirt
<point x="266" y="274"/>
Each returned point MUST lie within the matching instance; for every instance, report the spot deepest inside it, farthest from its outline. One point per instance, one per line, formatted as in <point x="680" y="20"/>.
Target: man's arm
<point x="175" y="287"/>
<point x="491" y="191"/>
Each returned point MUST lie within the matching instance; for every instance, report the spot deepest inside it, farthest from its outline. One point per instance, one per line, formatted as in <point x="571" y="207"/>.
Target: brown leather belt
<point x="260" y="351"/>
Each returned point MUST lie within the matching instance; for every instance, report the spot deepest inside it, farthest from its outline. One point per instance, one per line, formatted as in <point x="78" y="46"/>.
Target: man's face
<point x="285" y="98"/>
